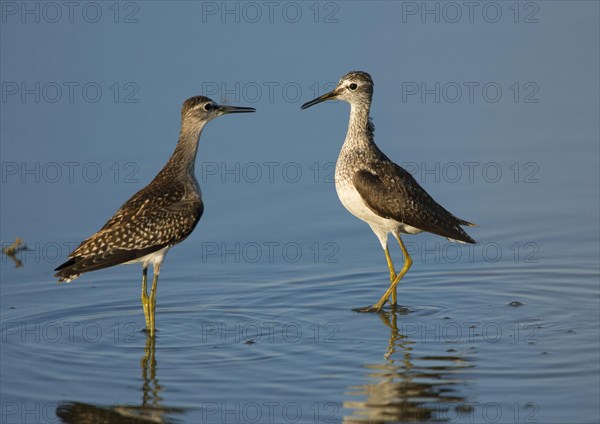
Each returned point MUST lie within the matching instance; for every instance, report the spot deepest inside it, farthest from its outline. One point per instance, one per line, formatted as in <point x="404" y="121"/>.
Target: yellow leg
<point x="145" y="299"/>
<point x="392" y="289"/>
<point x="153" y="299"/>
<point x="392" y="273"/>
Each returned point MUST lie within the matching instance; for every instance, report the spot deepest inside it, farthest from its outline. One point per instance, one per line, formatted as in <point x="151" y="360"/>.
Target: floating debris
<point x="13" y="249"/>
<point x="515" y="304"/>
<point x="17" y="246"/>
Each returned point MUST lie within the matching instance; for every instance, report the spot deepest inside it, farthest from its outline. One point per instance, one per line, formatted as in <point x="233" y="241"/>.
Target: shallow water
<point x="255" y="312"/>
<point x="476" y="339"/>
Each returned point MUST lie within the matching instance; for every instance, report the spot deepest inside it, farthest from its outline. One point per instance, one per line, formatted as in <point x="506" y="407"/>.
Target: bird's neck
<point x="183" y="159"/>
<point x="360" y="127"/>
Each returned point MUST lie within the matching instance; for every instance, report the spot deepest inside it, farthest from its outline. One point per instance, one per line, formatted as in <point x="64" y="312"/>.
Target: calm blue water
<point x="254" y="311"/>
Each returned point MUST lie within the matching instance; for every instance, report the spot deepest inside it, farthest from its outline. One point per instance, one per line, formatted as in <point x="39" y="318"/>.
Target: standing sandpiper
<point x="376" y="190"/>
<point x="157" y="217"/>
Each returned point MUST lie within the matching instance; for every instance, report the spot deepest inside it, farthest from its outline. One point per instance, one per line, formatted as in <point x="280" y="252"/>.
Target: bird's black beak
<point x="235" y="109"/>
<point x="327" y="96"/>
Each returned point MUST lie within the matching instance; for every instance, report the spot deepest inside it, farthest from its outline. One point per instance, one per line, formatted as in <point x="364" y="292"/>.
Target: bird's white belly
<point x="353" y="201"/>
<point x="154" y="258"/>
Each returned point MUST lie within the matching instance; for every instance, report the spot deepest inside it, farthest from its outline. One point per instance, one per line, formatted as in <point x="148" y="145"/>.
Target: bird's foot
<point x="369" y="309"/>
<point x="399" y="309"/>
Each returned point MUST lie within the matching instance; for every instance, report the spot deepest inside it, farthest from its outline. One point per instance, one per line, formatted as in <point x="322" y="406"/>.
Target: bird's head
<point x="355" y="87"/>
<point x="203" y="109"/>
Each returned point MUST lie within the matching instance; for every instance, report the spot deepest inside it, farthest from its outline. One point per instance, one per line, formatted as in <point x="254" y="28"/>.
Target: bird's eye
<point x="208" y="106"/>
<point x="353" y="86"/>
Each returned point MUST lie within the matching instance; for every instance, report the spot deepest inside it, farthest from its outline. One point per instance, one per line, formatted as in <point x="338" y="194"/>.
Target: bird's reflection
<point x="407" y="387"/>
<point x="150" y="410"/>
<point x="150" y="388"/>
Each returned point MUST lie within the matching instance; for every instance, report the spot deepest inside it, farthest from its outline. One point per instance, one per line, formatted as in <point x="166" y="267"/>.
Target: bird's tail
<point x="463" y="237"/>
<point x="66" y="278"/>
<point x="65" y="274"/>
<point x="457" y="234"/>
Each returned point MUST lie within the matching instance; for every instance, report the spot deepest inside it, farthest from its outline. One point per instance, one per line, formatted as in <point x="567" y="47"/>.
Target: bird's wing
<point x="141" y="226"/>
<point x="392" y="192"/>
<point x="157" y="227"/>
